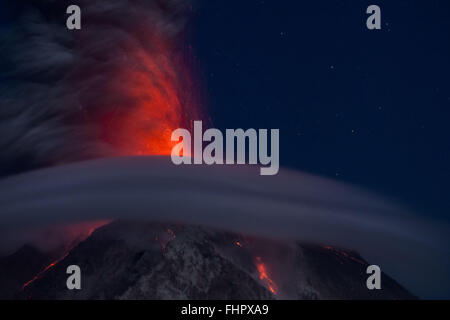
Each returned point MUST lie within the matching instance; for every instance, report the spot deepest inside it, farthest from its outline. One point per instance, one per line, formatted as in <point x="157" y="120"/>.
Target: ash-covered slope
<point x="18" y="268"/>
<point x="135" y="260"/>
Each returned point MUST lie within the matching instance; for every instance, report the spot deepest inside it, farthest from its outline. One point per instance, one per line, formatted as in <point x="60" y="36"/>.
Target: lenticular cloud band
<point x="289" y="205"/>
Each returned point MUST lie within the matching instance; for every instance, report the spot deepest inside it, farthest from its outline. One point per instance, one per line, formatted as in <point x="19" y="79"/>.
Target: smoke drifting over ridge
<point x="290" y="205"/>
<point x="118" y="86"/>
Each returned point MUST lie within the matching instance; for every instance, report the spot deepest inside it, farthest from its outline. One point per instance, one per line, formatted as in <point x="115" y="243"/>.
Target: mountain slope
<point x="135" y="260"/>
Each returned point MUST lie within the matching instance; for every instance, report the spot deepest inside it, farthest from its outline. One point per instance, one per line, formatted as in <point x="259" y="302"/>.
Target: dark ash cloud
<point x="57" y="86"/>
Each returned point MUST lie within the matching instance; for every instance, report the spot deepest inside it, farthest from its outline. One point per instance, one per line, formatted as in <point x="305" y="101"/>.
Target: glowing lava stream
<point x="338" y="252"/>
<point x="262" y="271"/>
<point x="89" y="227"/>
<point x="51" y="265"/>
<point x="265" y="277"/>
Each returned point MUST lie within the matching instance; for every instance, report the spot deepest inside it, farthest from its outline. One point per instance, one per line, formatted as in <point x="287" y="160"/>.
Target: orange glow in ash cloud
<point x="153" y="86"/>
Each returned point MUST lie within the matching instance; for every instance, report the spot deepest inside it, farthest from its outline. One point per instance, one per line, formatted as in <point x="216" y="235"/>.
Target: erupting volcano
<point x="130" y="89"/>
<point x="85" y="116"/>
<point x="132" y="86"/>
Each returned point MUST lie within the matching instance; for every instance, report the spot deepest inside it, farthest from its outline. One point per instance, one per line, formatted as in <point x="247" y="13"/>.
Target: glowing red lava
<point x="153" y="102"/>
<point x="155" y="89"/>
<point x="339" y="253"/>
<point x="75" y="233"/>
<point x="51" y="265"/>
<point x="263" y="275"/>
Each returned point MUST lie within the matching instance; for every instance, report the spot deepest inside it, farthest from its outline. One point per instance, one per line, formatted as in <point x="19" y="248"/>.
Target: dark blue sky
<point x="367" y="107"/>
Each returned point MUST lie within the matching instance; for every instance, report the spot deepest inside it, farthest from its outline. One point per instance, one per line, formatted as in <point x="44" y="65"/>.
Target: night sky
<point x="369" y="107"/>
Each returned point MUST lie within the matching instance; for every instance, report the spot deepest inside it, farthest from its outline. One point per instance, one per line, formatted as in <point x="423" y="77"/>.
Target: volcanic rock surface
<point x="141" y="260"/>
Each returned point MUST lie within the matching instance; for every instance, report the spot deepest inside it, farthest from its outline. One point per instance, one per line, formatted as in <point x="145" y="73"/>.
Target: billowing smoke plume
<point x="117" y="86"/>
